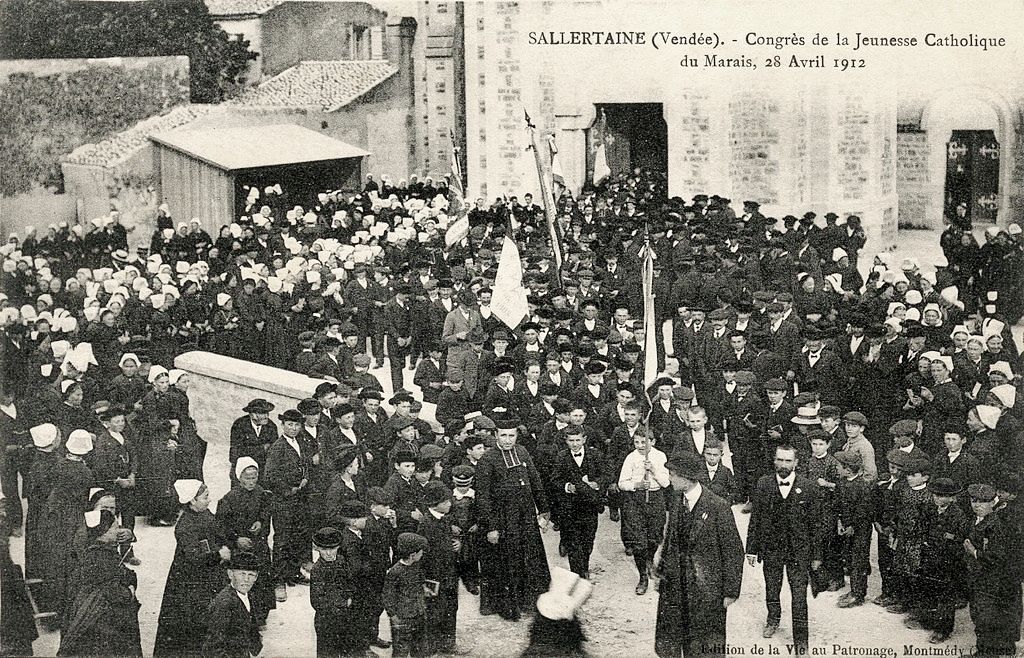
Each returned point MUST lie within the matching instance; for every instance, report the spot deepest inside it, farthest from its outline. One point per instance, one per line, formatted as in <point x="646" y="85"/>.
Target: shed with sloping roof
<point x="206" y="173"/>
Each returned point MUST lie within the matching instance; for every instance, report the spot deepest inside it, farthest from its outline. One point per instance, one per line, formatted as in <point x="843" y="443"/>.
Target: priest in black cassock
<point x="511" y="510"/>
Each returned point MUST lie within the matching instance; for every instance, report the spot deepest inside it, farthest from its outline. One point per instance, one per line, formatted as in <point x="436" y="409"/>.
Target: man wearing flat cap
<point x="252" y="434"/>
<point x="511" y="503"/>
<point x="700" y="563"/>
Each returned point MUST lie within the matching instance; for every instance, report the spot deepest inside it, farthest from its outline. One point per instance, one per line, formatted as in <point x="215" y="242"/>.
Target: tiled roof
<point x="328" y="85"/>
<point x="123" y="145"/>
<point x="240" y="7"/>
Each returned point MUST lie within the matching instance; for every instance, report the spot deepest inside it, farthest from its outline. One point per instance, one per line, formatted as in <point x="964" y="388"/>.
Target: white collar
<point x="434" y="513"/>
<point x="470" y="493"/>
<point x="787" y="480"/>
<point x="692" y="496"/>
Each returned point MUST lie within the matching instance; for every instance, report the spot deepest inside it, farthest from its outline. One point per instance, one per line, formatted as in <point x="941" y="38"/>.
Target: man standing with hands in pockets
<point x="700" y="564"/>
<point x="785" y="534"/>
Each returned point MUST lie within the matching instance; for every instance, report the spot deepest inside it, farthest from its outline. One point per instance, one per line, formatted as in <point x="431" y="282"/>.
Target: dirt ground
<point x="616" y="621"/>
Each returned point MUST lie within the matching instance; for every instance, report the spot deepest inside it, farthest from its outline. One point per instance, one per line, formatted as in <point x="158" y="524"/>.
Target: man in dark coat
<point x="510" y="502"/>
<point x="785" y="534"/>
<point x="233" y="630"/>
<point x="252" y="435"/>
<point x="700" y="565"/>
<point x="287" y="478"/>
<point x="993" y="550"/>
<point x="398" y="322"/>
<point x="578" y="475"/>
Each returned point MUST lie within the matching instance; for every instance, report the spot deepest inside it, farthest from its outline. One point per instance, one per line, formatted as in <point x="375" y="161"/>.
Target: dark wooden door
<point x="972" y="174"/>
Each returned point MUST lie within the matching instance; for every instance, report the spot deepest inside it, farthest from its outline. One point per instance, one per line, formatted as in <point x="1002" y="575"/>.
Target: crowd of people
<point x="831" y="395"/>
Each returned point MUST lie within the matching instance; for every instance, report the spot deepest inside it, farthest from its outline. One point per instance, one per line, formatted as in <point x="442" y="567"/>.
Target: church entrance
<point x="633" y="135"/>
<point x="972" y="174"/>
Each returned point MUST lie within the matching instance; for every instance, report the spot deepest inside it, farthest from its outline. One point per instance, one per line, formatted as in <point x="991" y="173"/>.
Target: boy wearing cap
<point x="993" y="564"/>
<point x="912" y="505"/>
<point x="465" y="527"/>
<point x="854" y="505"/>
<point x="405" y="596"/>
<point x="904" y="437"/>
<point x="942" y="560"/>
<point x="887" y="491"/>
<point x="407" y="492"/>
<point x="331" y="589"/>
<point x="854" y="424"/>
<point x="361" y="377"/>
<point x="233" y="629"/>
<point x="440" y="564"/>
<point x="452" y="401"/>
<point x="428" y="375"/>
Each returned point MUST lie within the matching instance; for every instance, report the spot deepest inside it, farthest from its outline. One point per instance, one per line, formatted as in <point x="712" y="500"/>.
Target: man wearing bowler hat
<point x="700" y="564"/>
<point x="253" y="434"/>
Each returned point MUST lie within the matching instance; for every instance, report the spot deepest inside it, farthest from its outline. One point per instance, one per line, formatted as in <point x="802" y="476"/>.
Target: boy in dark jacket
<point x="719" y="477"/>
<point x="822" y="469"/>
<point x="330" y="593"/>
<point x="465" y="527"/>
<point x="887" y="491"/>
<point x="402" y="485"/>
<point x="913" y="503"/>
<point x="440" y="565"/>
<point x="355" y="549"/>
<point x="379" y="535"/>
<point x="405" y="596"/>
<point x="577" y="475"/>
<point x="854" y="506"/>
<point x="942" y="560"/>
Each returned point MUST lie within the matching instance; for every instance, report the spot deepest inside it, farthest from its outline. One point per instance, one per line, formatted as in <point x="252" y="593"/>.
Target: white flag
<point x="509" y="299"/>
<point x="601" y="169"/>
<point x="650" y="330"/>
<point x="457" y="231"/>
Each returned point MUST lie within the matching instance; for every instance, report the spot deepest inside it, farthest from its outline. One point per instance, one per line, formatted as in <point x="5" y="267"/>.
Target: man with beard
<point x="785" y="534"/>
<point x="510" y="504"/>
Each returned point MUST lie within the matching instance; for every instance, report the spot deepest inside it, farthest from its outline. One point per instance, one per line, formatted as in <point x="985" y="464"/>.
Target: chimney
<point x="401" y="34"/>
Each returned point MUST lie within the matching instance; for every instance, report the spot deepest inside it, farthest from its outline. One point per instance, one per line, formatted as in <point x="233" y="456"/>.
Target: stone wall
<point x="318" y="31"/>
<point x="221" y="386"/>
<point x="913" y="178"/>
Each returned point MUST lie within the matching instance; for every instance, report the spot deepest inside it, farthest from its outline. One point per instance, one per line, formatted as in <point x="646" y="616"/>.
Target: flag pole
<point x="545" y="192"/>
